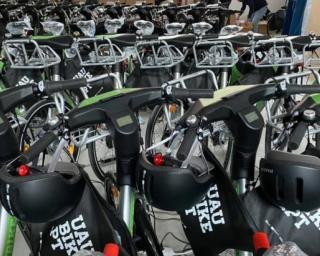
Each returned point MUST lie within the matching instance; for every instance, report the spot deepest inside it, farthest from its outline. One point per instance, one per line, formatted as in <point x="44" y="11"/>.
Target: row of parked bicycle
<point x="210" y="97"/>
<point x="70" y="14"/>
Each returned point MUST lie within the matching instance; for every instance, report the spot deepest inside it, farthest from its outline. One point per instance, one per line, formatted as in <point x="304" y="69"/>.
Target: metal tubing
<point x="4" y="216"/>
<point x="125" y="204"/>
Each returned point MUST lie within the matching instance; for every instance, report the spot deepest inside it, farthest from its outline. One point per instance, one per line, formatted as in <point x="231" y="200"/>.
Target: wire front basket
<point x="28" y="54"/>
<point x="157" y="53"/>
<point x="98" y="52"/>
<point x="311" y="55"/>
<point x="210" y="53"/>
<point x="273" y="52"/>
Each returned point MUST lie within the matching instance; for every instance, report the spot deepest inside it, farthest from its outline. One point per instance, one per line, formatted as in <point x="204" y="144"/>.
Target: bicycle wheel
<point x="40" y="115"/>
<point x="271" y="133"/>
<point x="160" y="126"/>
<point x="101" y="153"/>
<point x="220" y="142"/>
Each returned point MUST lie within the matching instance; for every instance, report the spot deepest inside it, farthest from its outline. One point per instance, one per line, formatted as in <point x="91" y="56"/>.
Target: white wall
<point x="273" y="5"/>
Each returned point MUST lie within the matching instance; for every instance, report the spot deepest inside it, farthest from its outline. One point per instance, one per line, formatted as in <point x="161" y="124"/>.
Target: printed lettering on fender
<point x="71" y="236"/>
<point x="208" y="211"/>
<point x="304" y="218"/>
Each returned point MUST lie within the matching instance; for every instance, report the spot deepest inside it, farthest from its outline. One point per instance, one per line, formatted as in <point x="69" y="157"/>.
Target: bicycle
<point x="163" y="190"/>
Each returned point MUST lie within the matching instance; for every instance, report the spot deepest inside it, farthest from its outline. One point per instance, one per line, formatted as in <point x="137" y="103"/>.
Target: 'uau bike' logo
<point x="209" y="211"/>
<point x="24" y="80"/>
<point x="304" y="218"/>
<point x="84" y="74"/>
<point x="71" y="236"/>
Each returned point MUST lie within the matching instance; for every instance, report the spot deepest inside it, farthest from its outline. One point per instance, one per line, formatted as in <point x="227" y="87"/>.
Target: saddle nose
<point x="174" y="28"/>
<point x="201" y="28"/>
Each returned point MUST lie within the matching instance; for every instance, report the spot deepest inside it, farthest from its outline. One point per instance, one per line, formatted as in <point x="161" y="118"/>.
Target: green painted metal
<point x="107" y="36"/>
<point x="235" y="75"/>
<point x="132" y="207"/>
<point x="228" y="91"/>
<point x="10" y="238"/>
<point x="43" y="37"/>
<point x="260" y="105"/>
<point x="107" y="95"/>
<point x="2" y="64"/>
<point x="315" y="98"/>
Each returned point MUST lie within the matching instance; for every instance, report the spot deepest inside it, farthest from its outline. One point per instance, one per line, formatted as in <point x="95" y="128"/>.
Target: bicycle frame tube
<point x="127" y="205"/>
<point x="4" y="217"/>
<point x="224" y="78"/>
<point x="177" y="71"/>
<point x="7" y="233"/>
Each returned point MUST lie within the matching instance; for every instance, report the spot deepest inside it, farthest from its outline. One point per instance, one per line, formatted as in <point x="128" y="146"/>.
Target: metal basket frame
<point x="174" y="57"/>
<point x="276" y="48"/>
<point x="116" y="54"/>
<point x="42" y="56"/>
<point x="214" y="60"/>
<point x="309" y="61"/>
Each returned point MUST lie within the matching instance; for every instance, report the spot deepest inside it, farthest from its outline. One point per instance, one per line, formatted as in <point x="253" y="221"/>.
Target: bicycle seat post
<point x="127" y="148"/>
<point x="224" y="78"/>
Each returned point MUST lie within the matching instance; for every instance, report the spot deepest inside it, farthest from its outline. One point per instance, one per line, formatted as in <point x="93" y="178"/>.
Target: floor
<point x="167" y="223"/>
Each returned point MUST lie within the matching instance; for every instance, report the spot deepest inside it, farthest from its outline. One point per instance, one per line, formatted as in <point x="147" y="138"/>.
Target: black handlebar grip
<point x="186" y="145"/>
<point x="150" y="37"/>
<point x="101" y="82"/>
<point x="38" y="147"/>
<point x="194" y="94"/>
<point x="58" y="86"/>
<point x="210" y="36"/>
<point x="297" y="135"/>
<point x="297" y="89"/>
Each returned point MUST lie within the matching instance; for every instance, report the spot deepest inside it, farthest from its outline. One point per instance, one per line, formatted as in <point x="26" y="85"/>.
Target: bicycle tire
<point x="269" y="129"/>
<point x="93" y="158"/>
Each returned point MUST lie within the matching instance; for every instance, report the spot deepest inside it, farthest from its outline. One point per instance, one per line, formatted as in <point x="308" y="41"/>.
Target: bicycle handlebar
<point x="50" y="87"/>
<point x="258" y="93"/>
<point x="187" y="143"/>
<point x="297" y="135"/>
<point x="182" y="94"/>
<point x="38" y="147"/>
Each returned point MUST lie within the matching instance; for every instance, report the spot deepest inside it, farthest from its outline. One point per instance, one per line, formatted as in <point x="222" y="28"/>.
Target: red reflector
<point x="158" y="159"/>
<point x="260" y="241"/>
<point x="24" y="170"/>
<point x="111" y="250"/>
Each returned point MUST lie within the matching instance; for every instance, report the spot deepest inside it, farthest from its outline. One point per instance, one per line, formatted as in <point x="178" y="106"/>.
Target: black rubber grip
<point x="297" y="89"/>
<point x="186" y="40"/>
<point x="57" y="43"/>
<point x="194" y="94"/>
<point x="300" y="41"/>
<point x="187" y="143"/>
<point x="297" y="135"/>
<point x="210" y="36"/>
<point x="38" y="147"/>
<point x="58" y="86"/>
<point x="150" y="37"/>
<point x="101" y="82"/>
<point x="124" y="40"/>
